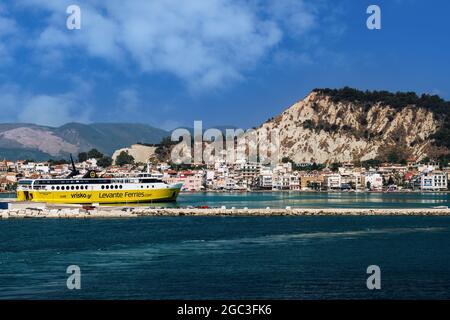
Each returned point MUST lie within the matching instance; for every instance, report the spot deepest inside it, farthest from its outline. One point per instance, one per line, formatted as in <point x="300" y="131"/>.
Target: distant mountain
<point x="21" y="141"/>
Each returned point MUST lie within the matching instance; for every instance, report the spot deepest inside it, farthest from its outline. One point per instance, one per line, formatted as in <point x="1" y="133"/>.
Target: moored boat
<point x="89" y="189"/>
<point x="97" y="190"/>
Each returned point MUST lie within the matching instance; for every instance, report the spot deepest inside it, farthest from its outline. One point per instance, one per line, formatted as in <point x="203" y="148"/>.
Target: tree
<point x="82" y="157"/>
<point x="54" y="162"/>
<point x="335" y="166"/>
<point x="393" y="157"/>
<point x="104" y="162"/>
<point x="163" y="150"/>
<point x="124" y="158"/>
<point x="94" y="153"/>
<point x="391" y="181"/>
<point x="11" y="187"/>
<point x="371" y="163"/>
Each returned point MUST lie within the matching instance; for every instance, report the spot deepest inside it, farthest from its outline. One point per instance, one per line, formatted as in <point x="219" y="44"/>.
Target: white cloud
<point x="4" y="55"/>
<point x="298" y="17"/>
<point x="128" y="100"/>
<point x="207" y="44"/>
<point x="8" y="29"/>
<point x="9" y="102"/>
<point x="7" y="26"/>
<point x="51" y="110"/>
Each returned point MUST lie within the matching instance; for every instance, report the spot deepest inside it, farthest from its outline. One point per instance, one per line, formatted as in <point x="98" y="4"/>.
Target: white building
<point x="265" y="178"/>
<point x="374" y="180"/>
<point x="333" y="181"/>
<point x="428" y="167"/>
<point x="230" y="184"/>
<point x="294" y="182"/>
<point x="90" y="163"/>
<point x="27" y="166"/>
<point x="281" y="181"/>
<point x="162" y="166"/>
<point x="42" y="168"/>
<point x="433" y="181"/>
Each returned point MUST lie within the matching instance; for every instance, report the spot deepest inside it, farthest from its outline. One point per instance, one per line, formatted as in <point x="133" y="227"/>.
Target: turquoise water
<point x="315" y="200"/>
<point x="226" y="258"/>
<point x="309" y="200"/>
<point x="234" y="257"/>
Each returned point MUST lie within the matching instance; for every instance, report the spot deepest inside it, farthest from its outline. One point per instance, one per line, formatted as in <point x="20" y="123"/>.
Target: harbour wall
<point x="34" y="210"/>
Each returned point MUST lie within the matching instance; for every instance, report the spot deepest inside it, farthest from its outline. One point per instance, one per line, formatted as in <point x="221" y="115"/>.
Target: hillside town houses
<point x="244" y="176"/>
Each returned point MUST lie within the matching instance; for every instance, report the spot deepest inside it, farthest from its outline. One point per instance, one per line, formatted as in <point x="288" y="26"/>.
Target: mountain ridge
<point x="45" y="142"/>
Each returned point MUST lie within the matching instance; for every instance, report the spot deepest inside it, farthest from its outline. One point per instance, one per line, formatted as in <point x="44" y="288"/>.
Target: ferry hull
<point x="89" y="197"/>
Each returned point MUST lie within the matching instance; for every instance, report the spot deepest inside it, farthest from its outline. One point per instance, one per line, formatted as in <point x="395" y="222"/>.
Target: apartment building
<point x="434" y="181"/>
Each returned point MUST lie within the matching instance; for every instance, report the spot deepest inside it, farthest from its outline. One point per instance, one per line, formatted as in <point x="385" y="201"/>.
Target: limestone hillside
<point x="349" y="125"/>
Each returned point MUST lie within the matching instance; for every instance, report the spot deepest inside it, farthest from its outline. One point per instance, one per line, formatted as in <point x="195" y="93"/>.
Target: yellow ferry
<point x="142" y="188"/>
<point x="89" y="189"/>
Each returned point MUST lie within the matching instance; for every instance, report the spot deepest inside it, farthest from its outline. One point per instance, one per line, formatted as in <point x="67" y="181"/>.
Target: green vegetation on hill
<point x="164" y="148"/>
<point x="108" y="137"/>
<point x="296" y="167"/>
<point x="399" y="100"/>
<point x="124" y="158"/>
<point x="21" y="154"/>
<point x="102" y="160"/>
<point x="396" y="100"/>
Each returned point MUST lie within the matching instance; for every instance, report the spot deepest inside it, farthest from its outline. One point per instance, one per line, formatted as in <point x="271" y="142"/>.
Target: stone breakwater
<point x="140" y="212"/>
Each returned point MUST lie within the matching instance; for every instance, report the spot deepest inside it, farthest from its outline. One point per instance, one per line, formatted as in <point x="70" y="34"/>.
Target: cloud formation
<point x="8" y="28"/>
<point x="206" y="44"/>
<point x="42" y="109"/>
<point x="128" y="100"/>
<point x="52" y="110"/>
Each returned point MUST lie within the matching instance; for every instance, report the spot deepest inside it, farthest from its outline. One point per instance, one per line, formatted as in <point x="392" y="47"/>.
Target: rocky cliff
<point x="348" y="125"/>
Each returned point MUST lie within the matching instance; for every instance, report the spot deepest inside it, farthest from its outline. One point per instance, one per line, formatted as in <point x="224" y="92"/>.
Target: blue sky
<point x="167" y="62"/>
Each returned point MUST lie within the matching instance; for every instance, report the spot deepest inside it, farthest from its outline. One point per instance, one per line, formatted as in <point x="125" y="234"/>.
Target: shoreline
<point x="130" y="212"/>
<point x="2" y="197"/>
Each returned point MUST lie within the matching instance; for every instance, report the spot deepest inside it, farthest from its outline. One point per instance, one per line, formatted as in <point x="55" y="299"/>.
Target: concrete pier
<point x="33" y="210"/>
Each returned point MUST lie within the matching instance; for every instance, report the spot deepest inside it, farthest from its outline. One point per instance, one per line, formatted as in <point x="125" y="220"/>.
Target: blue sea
<point x="315" y="199"/>
<point x="306" y="199"/>
<point x="226" y="258"/>
<point x="234" y="257"/>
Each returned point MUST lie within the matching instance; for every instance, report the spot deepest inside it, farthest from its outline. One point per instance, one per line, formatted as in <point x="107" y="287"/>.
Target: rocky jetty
<point x="132" y="212"/>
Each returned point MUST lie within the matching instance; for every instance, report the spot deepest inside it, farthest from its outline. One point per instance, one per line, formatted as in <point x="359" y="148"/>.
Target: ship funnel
<point x="74" y="170"/>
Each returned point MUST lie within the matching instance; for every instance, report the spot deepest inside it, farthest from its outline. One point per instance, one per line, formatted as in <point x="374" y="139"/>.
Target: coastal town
<point x="241" y="176"/>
